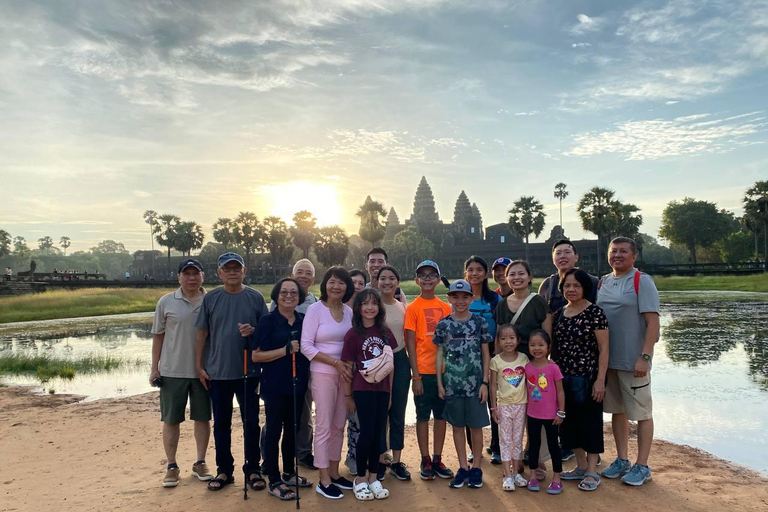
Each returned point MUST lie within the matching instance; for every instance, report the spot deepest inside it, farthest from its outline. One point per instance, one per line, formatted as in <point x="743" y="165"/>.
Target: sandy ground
<point x="59" y="455"/>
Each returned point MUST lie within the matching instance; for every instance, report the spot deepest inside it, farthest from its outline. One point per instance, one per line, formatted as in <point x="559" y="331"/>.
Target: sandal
<point x="256" y="482"/>
<point x="590" y="485"/>
<point x="362" y="492"/>
<point x="575" y="474"/>
<point x="282" y="493"/>
<point x="290" y="480"/>
<point x="218" y="484"/>
<point x="508" y="484"/>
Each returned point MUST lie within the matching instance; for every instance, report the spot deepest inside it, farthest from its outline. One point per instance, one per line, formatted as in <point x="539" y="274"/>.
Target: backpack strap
<point x="637" y="282"/>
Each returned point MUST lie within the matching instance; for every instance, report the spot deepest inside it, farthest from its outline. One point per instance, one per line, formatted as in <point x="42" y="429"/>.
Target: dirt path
<point x="57" y="455"/>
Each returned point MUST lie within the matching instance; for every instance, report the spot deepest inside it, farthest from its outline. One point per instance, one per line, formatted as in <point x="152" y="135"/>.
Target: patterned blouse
<point x="575" y="348"/>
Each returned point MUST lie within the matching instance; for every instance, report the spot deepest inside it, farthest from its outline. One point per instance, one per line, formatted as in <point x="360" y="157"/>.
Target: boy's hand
<point x="440" y="392"/>
<point x="418" y="387"/>
<point x="483" y="393"/>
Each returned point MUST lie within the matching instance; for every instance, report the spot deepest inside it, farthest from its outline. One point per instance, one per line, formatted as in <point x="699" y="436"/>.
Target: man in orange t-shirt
<point x="421" y="318"/>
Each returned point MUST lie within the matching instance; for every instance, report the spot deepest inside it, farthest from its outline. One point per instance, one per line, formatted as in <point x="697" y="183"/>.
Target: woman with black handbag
<point x="581" y="351"/>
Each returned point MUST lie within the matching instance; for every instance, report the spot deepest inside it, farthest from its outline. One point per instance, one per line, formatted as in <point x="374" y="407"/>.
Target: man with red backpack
<point x="631" y="304"/>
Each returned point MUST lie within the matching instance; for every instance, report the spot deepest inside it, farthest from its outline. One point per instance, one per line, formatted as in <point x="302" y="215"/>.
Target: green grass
<point x="746" y="283"/>
<point x="46" y="367"/>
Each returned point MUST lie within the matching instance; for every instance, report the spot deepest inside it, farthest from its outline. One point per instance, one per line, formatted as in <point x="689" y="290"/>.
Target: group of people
<point x="549" y="362"/>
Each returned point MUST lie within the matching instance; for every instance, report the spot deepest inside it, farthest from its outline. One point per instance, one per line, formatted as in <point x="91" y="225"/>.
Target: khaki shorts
<point x="627" y="394"/>
<point x="173" y="400"/>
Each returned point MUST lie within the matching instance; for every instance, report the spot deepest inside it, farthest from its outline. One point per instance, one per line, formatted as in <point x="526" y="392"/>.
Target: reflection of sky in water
<point x="710" y="371"/>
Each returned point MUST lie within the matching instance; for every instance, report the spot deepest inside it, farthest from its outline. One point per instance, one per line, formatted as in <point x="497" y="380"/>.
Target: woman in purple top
<point x="322" y="340"/>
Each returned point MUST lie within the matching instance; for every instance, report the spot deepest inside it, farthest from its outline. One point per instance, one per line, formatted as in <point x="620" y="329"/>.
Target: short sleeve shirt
<point x="550" y="290"/>
<point x="462" y="346"/>
<point x="362" y="347"/>
<point x="510" y="379"/>
<point x="542" y="390"/>
<point x="421" y="317"/>
<point x="576" y="343"/>
<point x="530" y="319"/>
<point x="624" y="310"/>
<point x="219" y="315"/>
<point x="175" y="317"/>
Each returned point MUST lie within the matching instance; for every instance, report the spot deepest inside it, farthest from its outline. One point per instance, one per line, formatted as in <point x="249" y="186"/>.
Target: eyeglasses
<point x="292" y="293"/>
<point x="428" y="277"/>
<point x="231" y="270"/>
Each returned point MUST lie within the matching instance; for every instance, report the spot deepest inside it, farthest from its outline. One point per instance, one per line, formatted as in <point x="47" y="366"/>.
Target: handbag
<point x="577" y="389"/>
<point x="377" y="369"/>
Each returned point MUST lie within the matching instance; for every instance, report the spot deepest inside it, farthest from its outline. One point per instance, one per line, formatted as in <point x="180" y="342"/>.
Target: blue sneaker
<point x="618" y="467"/>
<point x="637" y="476"/>
<point x="475" y="478"/>
<point x="462" y="475"/>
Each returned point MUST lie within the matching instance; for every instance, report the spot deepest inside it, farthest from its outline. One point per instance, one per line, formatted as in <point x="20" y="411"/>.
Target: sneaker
<point x="520" y="481"/>
<point x="495" y="459"/>
<point x="618" y="467"/>
<point x="637" y="476"/>
<point x="343" y="483"/>
<point x="439" y="468"/>
<point x="427" y="473"/>
<point x="462" y="475"/>
<point x="351" y="465"/>
<point x="398" y="470"/>
<point x="475" y="478"/>
<point x="171" y="477"/>
<point x="308" y="461"/>
<point x="381" y="472"/>
<point x="201" y="471"/>
<point x="331" y="492"/>
<point x="566" y="454"/>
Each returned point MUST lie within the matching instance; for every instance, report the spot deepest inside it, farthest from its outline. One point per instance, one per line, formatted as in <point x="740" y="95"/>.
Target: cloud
<point x="141" y="193"/>
<point x="580" y="45"/>
<point x="658" y="138"/>
<point x="671" y="102"/>
<point x="530" y="113"/>
<point x="587" y="24"/>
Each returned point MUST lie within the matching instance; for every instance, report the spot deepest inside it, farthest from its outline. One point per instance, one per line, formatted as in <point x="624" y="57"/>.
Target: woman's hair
<point x="541" y="333"/>
<point x="522" y="263"/>
<point x="507" y="327"/>
<point x="487" y="294"/>
<point x="391" y="269"/>
<point x="276" y="290"/>
<point x="338" y="272"/>
<point x="582" y="277"/>
<point x="357" y="316"/>
<point x="358" y="272"/>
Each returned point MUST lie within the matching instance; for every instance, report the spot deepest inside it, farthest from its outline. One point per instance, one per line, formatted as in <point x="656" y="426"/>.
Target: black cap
<point x="190" y="263"/>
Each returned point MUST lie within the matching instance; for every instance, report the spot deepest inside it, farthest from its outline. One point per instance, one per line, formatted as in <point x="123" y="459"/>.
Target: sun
<point x="285" y="199"/>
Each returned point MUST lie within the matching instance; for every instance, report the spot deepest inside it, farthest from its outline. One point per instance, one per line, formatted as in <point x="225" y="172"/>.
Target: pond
<point x="710" y="368"/>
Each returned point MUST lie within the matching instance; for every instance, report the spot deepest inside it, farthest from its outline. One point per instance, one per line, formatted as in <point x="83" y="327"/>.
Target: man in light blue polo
<point x="223" y="347"/>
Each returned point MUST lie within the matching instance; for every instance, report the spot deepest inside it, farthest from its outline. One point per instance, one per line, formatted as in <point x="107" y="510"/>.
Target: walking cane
<point x="245" y="420"/>
<point x="295" y="426"/>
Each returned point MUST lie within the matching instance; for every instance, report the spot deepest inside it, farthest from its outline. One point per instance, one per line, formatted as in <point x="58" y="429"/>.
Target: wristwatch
<point x="646" y="357"/>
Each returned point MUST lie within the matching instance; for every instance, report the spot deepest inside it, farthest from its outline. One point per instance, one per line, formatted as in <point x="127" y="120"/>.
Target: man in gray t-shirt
<point x="631" y="304"/>
<point x="223" y="347"/>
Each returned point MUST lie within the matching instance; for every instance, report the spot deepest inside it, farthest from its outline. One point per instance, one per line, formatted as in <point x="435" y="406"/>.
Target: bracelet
<point x="334" y="363"/>
<point x="485" y="383"/>
<point x="417" y="377"/>
<point x="494" y="408"/>
<point x="561" y="415"/>
<point x="347" y="396"/>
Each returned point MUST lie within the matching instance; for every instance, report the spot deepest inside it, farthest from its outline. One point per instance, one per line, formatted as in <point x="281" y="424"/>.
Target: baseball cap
<point x="230" y="256"/>
<point x="501" y="261"/>
<point x="460" y="285"/>
<point x="428" y="263"/>
<point x="190" y="263"/>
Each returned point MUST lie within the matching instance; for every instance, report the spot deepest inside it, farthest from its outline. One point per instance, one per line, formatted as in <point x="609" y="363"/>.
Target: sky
<point x="204" y="109"/>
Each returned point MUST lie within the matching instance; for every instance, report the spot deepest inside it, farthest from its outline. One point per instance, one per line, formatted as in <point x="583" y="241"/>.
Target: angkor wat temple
<point x="466" y="236"/>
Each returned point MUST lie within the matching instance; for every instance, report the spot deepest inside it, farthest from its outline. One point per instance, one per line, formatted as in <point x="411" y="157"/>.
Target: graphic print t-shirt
<point x="362" y="347"/>
<point x="462" y="346"/>
<point x="422" y="317"/>
<point x="542" y="390"/>
<point x="510" y="379"/>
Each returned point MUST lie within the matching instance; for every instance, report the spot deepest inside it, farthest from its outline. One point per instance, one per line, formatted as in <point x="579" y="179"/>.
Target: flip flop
<point x="218" y="484"/>
<point x="256" y="482"/>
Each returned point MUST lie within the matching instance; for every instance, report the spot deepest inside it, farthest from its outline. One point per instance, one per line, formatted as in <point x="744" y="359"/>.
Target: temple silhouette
<point x="465" y="236"/>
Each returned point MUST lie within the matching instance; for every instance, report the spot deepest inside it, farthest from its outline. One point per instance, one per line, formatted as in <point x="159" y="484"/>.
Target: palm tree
<point x="223" y="232"/>
<point x="150" y="217"/>
<point x="5" y="243"/>
<point x="526" y="218"/>
<point x="166" y="232"/>
<point x="597" y="210"/>
<point x="248" y="233"/>
<point x="304" y="231"/>
<point x="756" y="210"/>
<point x="371" y="215"/>
<point x="189" y="236"/>
<point x="65" y="243"/>
<point x="45" y="244"/>
<point x="561" y="193"/>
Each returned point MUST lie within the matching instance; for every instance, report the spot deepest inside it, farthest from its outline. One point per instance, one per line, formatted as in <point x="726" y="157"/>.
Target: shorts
<point x="627" y="394"/>
<point x="466" y="411"/>
<point x="173" y="400"/>
<point x="428" y="402"/>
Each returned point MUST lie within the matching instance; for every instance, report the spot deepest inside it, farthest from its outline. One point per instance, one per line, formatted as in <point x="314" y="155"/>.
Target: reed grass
<point x="45" y="367"/>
